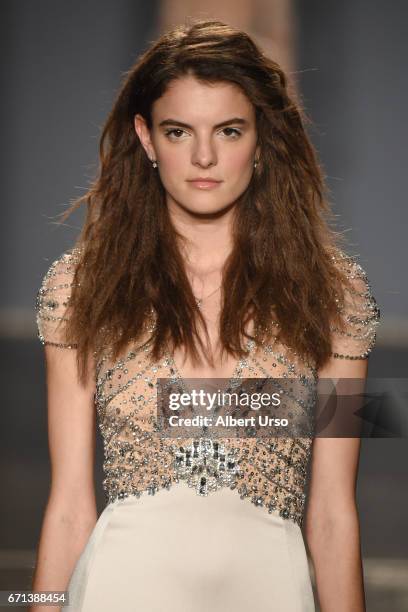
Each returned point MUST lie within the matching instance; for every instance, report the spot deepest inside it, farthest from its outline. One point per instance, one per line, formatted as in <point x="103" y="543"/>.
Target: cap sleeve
<point x="52" y="300"/>
<point x="360" y="314"/>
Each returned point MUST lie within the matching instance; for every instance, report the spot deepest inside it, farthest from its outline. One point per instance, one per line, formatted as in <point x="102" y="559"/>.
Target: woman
<point x="206" y="253"/>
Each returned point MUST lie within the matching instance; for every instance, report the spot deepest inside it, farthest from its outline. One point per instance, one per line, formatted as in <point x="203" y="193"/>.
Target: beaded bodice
<point x="271" y="472"/>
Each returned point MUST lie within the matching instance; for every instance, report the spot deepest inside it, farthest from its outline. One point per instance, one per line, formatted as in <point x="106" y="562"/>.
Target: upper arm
<point x="334" y="463"/>
<point x="70" y="405"/>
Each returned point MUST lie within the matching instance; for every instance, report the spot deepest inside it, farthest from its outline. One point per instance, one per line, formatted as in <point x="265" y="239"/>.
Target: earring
<point x="154" y="163"/>
<point x="255" y="163"/>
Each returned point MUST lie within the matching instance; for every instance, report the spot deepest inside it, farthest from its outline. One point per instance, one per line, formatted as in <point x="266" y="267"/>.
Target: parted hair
<point x="282" y="269"/>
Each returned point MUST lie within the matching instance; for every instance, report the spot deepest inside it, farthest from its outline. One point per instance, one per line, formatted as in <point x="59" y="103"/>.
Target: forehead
<point x="194" y="101"/>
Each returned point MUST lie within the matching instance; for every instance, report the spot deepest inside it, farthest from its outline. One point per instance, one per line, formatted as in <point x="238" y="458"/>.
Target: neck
<point x="206" y="240"/>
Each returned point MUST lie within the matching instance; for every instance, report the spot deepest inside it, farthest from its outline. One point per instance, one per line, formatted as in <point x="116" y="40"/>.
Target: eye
<point x="174" y="133"/>
<point x="233" y="132"/>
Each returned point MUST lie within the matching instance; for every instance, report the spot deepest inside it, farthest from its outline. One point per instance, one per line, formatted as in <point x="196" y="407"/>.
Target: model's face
<point x="201" y="131"/>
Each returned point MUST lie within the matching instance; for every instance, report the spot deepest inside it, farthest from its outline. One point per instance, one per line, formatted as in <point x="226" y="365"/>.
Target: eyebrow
<point x="235" y="120"/>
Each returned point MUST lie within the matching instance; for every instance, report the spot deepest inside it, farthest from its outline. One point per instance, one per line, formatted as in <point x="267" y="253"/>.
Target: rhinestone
<point x="139" y="459"/>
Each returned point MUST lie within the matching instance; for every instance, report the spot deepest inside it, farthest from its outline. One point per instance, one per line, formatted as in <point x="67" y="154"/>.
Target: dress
<point x="177" y="537"/>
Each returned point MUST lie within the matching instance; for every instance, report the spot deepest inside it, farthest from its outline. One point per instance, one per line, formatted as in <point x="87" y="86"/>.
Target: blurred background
<point x="62" y="66"/>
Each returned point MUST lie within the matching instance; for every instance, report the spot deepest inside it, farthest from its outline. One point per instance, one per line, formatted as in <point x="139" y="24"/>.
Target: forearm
<point x="64" y="535"/>
<point x="334" y="545"/>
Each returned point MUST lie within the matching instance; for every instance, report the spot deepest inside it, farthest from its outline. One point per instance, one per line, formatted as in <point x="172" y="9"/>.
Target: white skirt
<point x="177" y="551"/>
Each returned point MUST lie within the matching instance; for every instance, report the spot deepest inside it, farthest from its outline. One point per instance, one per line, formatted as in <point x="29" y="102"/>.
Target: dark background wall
<point x="351" y="58"/>
<point x="62" y="66"/>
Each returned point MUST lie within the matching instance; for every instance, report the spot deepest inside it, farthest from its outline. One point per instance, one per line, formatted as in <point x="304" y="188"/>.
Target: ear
<point x="143" y="132"/>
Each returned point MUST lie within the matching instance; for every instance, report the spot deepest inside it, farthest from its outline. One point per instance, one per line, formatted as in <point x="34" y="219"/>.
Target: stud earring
<point x="255" y="163"/>
<point x="154" y="163"/>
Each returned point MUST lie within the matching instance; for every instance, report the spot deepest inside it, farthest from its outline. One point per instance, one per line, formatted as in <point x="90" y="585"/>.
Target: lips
<point x="204" y="183"/>
<point x="203" y="179"/>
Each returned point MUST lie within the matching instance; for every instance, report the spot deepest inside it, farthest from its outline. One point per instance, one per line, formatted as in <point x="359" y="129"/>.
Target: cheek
<point x="239" y="154"/>
<point x="172" y="166"/>
<point x="239" y="166"/>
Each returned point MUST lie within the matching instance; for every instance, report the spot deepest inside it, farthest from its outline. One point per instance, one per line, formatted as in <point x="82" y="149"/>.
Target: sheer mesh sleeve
<point x="360" y="313"/>
<point x="52" y="300"/>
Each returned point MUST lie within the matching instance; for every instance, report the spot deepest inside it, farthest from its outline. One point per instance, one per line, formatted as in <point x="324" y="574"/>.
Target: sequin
<point x="271" y="473"/>
<point x="206" y="465"/>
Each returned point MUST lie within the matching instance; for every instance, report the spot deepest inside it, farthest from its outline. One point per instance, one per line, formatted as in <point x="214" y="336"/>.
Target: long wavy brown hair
<point x="282" y="267"/>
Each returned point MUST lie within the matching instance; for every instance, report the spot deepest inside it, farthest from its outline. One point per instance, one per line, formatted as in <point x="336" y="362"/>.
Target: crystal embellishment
<point x="271" y="473"/>
<point x="206" y="465"/>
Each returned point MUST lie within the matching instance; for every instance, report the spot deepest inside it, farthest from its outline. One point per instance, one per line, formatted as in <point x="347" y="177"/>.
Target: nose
<point x="204" y="153"/>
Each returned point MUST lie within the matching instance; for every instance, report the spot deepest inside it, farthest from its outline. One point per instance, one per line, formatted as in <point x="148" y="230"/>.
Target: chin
<point x="209" y="209"/>
<point x="205" y="205"/>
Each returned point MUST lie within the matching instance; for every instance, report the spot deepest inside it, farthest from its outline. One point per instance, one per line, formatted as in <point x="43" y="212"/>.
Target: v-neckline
<point x="239" y="365"/>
